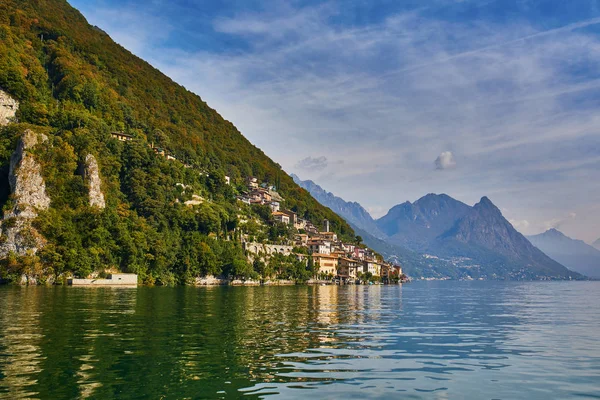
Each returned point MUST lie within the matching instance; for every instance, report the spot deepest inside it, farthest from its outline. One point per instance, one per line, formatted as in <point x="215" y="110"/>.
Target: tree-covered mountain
<point x="440" y="237"/>
<point x="574" y="254"/>
<point x="74" y="86"/>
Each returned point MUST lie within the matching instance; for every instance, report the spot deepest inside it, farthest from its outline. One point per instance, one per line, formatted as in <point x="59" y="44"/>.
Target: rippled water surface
<point x="439" y="340"/>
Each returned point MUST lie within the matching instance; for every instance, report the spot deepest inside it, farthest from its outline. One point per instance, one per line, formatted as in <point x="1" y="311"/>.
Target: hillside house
<point x="252" y="183"/>
<point x="301" y="240"/>
<point x="359" y="253"/>
<point x="260" y="196"/>
<point x="300" y="223"/>
<point x="327" y="263"/>
<point x="397" y="269"/>
<point x="348" y="268"/>
<point x="388" y="271"/>
<point x="310" y="228"/>
<point x="279" y="216"/>
<point x="291" y="215"/>
<point x="120" y="136"/>
<point x="331" y="236"/>
<point x="319" y="246"/>
<point x="348" y="248"/>
<point x="274" y="206"/>
<point x="372" y="266"/>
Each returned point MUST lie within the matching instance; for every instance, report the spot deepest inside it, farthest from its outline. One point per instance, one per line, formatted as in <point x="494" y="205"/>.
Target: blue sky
<point x="385" y="101"/>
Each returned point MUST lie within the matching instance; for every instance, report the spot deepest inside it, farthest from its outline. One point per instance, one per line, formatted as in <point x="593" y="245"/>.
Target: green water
<point x="424" y="340"/>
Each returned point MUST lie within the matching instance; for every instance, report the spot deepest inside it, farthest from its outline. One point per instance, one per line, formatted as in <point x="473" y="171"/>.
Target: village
<point x="335" y="261"/>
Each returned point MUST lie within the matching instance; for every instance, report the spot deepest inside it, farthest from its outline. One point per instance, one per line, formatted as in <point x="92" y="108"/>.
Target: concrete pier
<point x="112" y="280"/>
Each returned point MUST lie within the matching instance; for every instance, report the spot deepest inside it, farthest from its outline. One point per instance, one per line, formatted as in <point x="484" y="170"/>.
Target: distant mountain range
<point x="438" y="236"/>
<point x="352" y="212"/>
<point x="574" y="254"/>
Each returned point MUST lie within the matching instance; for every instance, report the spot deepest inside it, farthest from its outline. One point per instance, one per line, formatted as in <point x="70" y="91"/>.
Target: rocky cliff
<point x="28" y="197"/>
<point x="8" y="108"/>
<point x="92" y="177"/>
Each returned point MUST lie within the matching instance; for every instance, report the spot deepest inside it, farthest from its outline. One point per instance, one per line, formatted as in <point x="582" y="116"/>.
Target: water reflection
<point x="440" y="340"/>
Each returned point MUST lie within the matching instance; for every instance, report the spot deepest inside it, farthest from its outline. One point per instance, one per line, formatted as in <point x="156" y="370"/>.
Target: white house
<point x="319" y="246"/>
<point x="275" y="206"/>
<point x="281" y="217"/>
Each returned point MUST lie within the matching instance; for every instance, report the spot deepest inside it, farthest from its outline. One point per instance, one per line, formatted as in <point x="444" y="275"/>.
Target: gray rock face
<point x="29" y="196"/>
<point x="92" y="174"/>
<point x="8" y="108"/>
<point x="25" y="178"/>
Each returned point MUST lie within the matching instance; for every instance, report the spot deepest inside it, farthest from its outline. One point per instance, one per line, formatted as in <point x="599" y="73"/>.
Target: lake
<point x="433" y="340"/>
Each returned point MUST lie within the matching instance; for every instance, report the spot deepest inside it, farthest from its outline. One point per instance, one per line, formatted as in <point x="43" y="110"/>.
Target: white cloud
<point x="312" y="163"/>
<point x="445" y="161"/>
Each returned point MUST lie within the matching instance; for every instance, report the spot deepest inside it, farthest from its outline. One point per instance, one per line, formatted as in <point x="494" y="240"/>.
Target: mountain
<point x="574" y="254"/>
<point x="596" y="244"/>
<point x="352" y="212"/>
<point x="414" y="263"/>
<point x="101" y="154"/>
<point x="440" y="237"/>
<point x="416" y="224"/>
<point x="486" y="237"/>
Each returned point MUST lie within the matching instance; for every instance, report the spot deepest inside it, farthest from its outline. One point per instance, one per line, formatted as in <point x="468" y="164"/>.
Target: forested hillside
<point x="75" y="85"/>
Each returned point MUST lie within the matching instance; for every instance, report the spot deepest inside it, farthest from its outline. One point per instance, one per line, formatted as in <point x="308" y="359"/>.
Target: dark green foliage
<point x="289" y="267"/>
<point x="77" y="86"/>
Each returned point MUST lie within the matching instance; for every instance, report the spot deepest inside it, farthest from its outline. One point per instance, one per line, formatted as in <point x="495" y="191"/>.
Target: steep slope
<point x="352" y="212"/>
<point x="484" y="235"/>
<point x="574" y="254"/>
<point x="126" y="209"/>
<point x="415" y="225"/>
